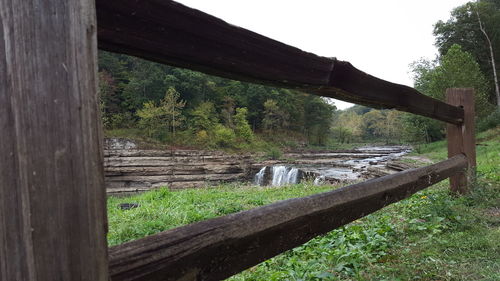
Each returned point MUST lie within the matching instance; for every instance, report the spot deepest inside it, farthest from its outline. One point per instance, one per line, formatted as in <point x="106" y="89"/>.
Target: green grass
<point x="487" y="151"/>
<point x="164" y="209"/>
<point x="432" y="235"/>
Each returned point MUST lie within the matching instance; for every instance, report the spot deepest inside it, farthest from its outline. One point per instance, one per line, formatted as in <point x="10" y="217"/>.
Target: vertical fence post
<point x="461" y="138"/>
<point x="52" y="196"/>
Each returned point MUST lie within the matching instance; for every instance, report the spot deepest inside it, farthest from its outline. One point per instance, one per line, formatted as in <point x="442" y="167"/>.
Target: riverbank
<point x="129" y="169"/>
<point x="429" y="236"/>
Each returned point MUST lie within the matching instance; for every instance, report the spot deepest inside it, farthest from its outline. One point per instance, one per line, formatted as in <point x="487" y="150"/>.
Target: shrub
<point x="242" y="128"/>
<point x="274" y="153"/>
<point x="202" y="138"/>
<point x="224" y="136"/>
<point x="489" y="122"/>
<point x="120" y="121"/>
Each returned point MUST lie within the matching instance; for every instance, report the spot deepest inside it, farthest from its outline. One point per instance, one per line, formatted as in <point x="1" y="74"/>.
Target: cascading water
<point x="340" y="167"/>
<point x="284" y="175"/>
<point x="259" y="177"/>
<point x="280" y="175"/>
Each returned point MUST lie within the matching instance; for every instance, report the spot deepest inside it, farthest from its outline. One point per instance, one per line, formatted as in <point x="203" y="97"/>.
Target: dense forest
<point x="186" y="108"/>
<point x="181" y="106"/>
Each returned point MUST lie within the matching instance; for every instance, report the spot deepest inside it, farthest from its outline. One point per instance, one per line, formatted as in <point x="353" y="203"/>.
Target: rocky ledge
<point x="129" y="169"/>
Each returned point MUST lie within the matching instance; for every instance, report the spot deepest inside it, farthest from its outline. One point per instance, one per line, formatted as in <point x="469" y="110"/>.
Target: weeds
<point x="430" y="236"/>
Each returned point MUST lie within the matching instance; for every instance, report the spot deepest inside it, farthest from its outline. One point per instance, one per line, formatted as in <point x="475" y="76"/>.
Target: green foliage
<point x="362" y="123"/>
<point x="105" y="91"/>
<point x="347" y="126"/>
<point x="274" y="153"/>
<point x="121" y="120"/>
<point x="241" y="127"/>
<point x="163" y="209"/>
<point x="157" y="120"/>
<point x="224" y="137"/>
<point x="172" y="106"/>
<point x="318" y="116"/>
<point x="393" y="123"/>
<point x="146" y="83"/>
<point x="204" y="117"/>
<point x="420" y="129"/>
<point x="275" y="119"/>
<point x="128" y="83"/>
<point x="373" y="123"/>
<point x="462" y="28"/>
<point x="150" y="118"/>
<point x="487" y="150"/>
<point x="429" y="236"/>
<point x="342" y="134"/>
<point x="455" y="69"/>
<point x="489" y="122"/>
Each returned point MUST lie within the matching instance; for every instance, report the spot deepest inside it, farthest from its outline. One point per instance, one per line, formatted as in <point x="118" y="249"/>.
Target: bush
<point x="274" y="153"/>
<point x="120" y="121"/>
<point x="202" y="138"/>
<point x="242" y="128"/>
<point x="489" y="122"/>
<point x="224" y="136"/>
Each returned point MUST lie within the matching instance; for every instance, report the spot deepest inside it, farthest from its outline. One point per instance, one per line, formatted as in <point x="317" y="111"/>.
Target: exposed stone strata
<point x="139" y="170"/>
<point x="129" y="169"/>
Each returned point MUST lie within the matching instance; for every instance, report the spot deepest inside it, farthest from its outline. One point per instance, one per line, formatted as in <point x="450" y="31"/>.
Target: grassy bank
<point x="487" y="150"/>
<point x="430" y="236"/>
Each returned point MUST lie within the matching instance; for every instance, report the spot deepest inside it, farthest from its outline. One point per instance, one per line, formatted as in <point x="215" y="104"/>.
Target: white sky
<point x="380" y="37"/>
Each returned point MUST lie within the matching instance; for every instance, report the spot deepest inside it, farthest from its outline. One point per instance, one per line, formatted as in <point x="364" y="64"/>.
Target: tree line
<point x="185" y="107"/>
<point x="469" y="48"/>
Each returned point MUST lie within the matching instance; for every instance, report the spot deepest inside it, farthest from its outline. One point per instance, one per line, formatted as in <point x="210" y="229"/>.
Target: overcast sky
<point x="380" y="37"/>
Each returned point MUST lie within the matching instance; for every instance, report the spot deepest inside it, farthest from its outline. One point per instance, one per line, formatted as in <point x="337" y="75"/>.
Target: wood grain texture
<point x="461" y="138"/>
<point x="52" y="197"/>
<point x="218" y="248"/>
<point x="168" y="32"/>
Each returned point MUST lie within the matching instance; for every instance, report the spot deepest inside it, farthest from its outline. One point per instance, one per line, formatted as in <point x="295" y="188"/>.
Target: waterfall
<point x="259" y="177"/>
<point x="281" y="175"/>
<point x="319" y="180"/>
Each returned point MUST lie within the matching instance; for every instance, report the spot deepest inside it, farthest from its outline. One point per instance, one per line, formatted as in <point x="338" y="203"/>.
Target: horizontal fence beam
<point x="218" y="248"/>
<point x="167" y="32"/>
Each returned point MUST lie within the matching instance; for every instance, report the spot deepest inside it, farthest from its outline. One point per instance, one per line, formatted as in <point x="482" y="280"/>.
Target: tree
<point x="393" y="126"/>
<point x="227" y="111"/>
<point x="167" y="115"/>
<point x="172" y="107"/>
<point x="347" y="126"/>
<point x="455" y="69"/>
<point x="204" y="117"/>
<point x="275" y="119"/>
<point x="150" y="118"/>
<point x="419" y="129"/>
<point x="475" y="27"/>
<point x="106" y="96"/>
<point x="241" y="126"/>
<point x="318" y="119"/>
<point x="146" y="83"/>
<point x="492" y="54"/>
<point x="373" y="125"/>
<point x="137" y="89"/>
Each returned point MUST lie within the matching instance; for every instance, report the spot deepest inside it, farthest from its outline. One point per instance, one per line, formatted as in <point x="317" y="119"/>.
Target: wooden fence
<point x="52" y="198"/>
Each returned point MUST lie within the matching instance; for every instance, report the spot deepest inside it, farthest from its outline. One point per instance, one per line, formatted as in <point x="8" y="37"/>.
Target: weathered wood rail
<point x="52" y="214"/>
<point x="171" y="33"/>
<point x="217" y="248"/>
